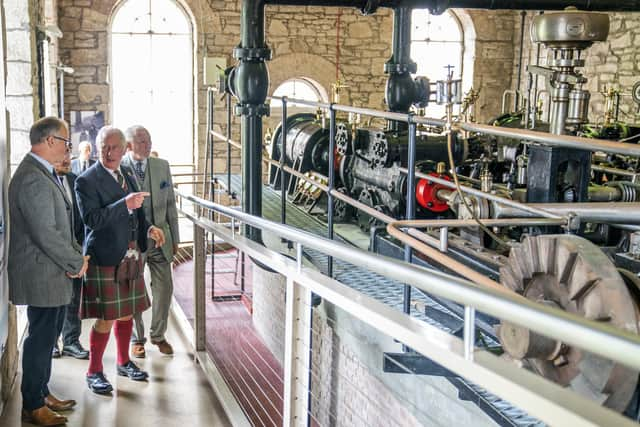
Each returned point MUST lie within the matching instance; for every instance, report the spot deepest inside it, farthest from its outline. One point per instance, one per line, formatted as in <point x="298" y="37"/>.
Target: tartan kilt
<point x="102" y="297"/>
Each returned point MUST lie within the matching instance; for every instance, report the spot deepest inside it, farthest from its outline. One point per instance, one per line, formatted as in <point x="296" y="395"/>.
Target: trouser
<point x="72" y="324"/>
<point x="45" y="324"/>
<point x="161" y="293"/>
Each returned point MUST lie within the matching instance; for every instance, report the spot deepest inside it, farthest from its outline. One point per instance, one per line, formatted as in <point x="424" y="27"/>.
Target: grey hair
<point x="44" y="127"/>
<point x="107" y="131"/>
<point x="83" y="144"/>
<point x="131" y="131"/>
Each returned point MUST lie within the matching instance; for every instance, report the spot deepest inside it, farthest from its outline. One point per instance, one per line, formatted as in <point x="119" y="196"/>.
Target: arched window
<point x="152" y="74"/>
<point x="437" y="42"/>
<point x="300" y="88"/>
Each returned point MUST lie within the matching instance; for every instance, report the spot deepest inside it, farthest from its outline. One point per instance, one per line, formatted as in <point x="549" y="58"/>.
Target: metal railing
<point x="540" y="397"/>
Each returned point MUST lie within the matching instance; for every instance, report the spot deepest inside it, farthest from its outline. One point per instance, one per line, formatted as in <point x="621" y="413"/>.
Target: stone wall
<point x="304" y="43"/>
<point x="610" y="64"/>
<point x="21" y="85"/>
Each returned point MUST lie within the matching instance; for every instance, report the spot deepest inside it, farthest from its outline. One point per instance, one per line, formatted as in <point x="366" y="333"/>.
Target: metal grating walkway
<point x="389" y="292"/>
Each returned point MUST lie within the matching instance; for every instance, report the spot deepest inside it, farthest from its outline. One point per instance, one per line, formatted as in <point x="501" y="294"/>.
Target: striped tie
<point x="121" y="180"/>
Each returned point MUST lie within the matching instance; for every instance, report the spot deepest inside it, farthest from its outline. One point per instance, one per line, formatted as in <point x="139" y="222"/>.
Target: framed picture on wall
<point x="84" y="127"/>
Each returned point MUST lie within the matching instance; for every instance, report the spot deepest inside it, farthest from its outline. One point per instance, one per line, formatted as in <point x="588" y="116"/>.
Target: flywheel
<point x="573" y="274"/>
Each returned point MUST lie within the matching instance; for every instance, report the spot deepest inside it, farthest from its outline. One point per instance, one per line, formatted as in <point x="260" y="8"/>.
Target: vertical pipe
<point x="283" y="150"/>
<point x="332" y="173"/>
<point x="400" y="90"/>
<point x="228" y="145"/>
<point x="252" y="171"/>
<point x="516" y="98"/>
<point x="61" y="94"/>
<point x="411" y="197"/>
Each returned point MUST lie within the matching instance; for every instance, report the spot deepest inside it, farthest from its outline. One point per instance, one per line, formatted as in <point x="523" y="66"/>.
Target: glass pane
<point x="433" y="58"/>
<point x="132" y="17"/>
<point x="152" y="81"/>
<point x="168" y="17"/>
<point x="443" y="27"/>
<point x="298" y="89"/>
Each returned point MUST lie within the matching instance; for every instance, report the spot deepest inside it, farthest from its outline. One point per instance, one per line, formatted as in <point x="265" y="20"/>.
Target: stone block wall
<point x="304" y="42"/>
<point x="21" y="84"/>
<point x="610" y="64"/>
<point x="348" y="386"/>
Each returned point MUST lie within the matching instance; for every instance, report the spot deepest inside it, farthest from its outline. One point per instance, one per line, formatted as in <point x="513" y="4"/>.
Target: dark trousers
<point x="72" y="324"/>
<point x="45" y="324"/>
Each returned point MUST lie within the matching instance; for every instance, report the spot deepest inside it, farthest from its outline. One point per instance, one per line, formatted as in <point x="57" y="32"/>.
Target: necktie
<point x="139" y="170"/>
<point x="84" y="166"/>
<point x="121" y="180"/>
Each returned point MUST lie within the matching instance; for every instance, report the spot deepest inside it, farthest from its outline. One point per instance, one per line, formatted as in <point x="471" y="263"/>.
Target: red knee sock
<point x="97" y="343"/>
<point x="122" y="330"/>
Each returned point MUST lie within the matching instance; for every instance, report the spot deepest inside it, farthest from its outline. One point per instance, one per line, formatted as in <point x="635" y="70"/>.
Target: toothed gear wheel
<point x="573" y="274"/>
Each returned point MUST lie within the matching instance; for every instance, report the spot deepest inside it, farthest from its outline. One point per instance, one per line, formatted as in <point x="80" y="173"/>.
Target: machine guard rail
<point x="541" y="398"/>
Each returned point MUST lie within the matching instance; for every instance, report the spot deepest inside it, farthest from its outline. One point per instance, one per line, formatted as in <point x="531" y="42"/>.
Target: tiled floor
<point x="177" y="394"/>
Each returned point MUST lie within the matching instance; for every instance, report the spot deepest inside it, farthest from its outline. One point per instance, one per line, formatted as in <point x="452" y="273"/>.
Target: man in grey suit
<point x="154" y="176"/>
<point x="43" y="258"/>
<point x="84" y="160"/>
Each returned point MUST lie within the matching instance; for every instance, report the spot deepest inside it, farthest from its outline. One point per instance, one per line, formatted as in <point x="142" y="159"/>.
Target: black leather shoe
<point x="98" y="383"/>
<point x="75" y="350"/>
<point x="132" y="371"/>
<point x="55" y="353"/>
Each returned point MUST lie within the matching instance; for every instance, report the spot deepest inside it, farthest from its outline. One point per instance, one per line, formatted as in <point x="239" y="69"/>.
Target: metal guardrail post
<point x="283" y="152"/>
<point x="200" y="257"/>
<point x="228" y="146"/>
<point x="411" y="204"/>
<point x="444" y="239"/>
<point x="469" y="331"/>
<point x="332" y="174"/>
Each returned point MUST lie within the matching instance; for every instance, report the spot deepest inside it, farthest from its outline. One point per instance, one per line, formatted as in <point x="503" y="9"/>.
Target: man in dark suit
<point x="84" y="160"/>
<point x="116" y="236"/>
<point x="154" y="176"/>
<point x="72" y="326"/>
<point x="43" y="257"/>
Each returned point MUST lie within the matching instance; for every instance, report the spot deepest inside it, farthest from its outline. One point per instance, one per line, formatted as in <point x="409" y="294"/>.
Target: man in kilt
<point x="116" y="236"/>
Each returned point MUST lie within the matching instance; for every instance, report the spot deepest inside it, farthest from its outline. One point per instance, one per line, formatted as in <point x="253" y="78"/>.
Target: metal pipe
<point x="439" y="6"/>
<point x="516" y="102"/>
<point x="613" y="147"/>
<point x="332" y="174"/>
<point x="628" y="213"/>
<point x="507" y="202"/>
<point x="411" y="206"/>
<point x="595" y="337"/>
<point x="614" y="171"/>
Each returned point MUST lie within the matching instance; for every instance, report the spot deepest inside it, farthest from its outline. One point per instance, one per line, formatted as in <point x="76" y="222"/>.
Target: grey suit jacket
<point x="41" y="242"/>
<point x="160" y="209"/>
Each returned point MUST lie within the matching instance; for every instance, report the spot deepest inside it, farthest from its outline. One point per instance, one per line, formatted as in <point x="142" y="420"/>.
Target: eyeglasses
<point x="67" y="142"/>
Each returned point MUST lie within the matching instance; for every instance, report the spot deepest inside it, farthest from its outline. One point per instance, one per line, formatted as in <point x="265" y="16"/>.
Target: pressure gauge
<point x="635" y="93"/>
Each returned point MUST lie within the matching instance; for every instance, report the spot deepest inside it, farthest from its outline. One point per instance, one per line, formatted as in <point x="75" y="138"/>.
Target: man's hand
<point x="156" y="234"/>
<point x="175" y="249"/>
<point x="83" y="270"/>
<point x="134" y="200"/>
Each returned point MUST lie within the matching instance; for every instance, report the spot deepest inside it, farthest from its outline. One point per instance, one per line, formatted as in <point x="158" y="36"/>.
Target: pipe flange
<point x="252" y="110"/>
<point x="370" y="7"/>
<point x="394" y="68"/>
<point x="252" y="53"/>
